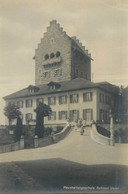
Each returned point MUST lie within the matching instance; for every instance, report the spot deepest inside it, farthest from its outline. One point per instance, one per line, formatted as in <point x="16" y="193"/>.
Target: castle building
<point x="63" y="81"/>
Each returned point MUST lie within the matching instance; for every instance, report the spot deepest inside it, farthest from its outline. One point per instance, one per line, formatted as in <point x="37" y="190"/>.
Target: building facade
<point x="60" y="57"/>
<point x="63" y="81"/>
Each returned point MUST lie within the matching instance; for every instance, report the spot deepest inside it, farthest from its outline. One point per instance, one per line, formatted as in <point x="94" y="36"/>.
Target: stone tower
<point x="60" y="57"/>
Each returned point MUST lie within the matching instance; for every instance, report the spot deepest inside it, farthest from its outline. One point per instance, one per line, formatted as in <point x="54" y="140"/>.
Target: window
<point x="74" y="98"/>
<point x="29" y="103"/>
<point x="57" y="54"/>
<point x="106" y="116"/>
<point x="88" y="114"/>
<point x="46" y="74"/>
<point x="51" y="40"/>
<point x="51" y="100"/>
<point x="28" y="117"/>
<point x="63" y="99"/>
<point x="102" y="98"/>
<point x="74" y="115"/>
<point x="107" y="100"/>
<point x="39" y="100"/>
<point x="62" y="115"/>
<point x="46" y="57"/>
<point x="102" y="115"/>
<point x="57" y="72"/>
<point x="52" y="116"/>
<point x="52" y="55"/>
<point x="87" y="96"/>
<point x="20" y="104"/>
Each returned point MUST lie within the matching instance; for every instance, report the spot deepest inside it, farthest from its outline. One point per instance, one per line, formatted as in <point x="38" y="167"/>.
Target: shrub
<point x="59" y="129"/>
<point x="121" y="133"/>
<point x="103" y="131"/>
<point x="47" y="131"/>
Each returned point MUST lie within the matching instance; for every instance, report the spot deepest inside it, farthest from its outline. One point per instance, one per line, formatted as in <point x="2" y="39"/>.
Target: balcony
<point x="54" y="62"/>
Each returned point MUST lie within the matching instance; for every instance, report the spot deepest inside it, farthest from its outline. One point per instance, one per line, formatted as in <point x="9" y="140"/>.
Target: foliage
<point x="103" y="131"/>
<point x="47" y="131"/>
<point x="42" y="111"/>
<point x="59" y="129"/>
<point x="11" y="111"/>
<point x="122" y="134"/>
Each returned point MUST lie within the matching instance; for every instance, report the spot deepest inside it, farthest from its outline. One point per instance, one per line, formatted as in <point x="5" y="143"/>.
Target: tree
<point x="42" y="111"/>
<point x="19" y="128"/>
<point x="11" y="111"/>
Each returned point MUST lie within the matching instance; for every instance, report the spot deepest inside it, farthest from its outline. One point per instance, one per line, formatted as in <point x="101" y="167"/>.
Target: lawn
<point x="58" y="174"/>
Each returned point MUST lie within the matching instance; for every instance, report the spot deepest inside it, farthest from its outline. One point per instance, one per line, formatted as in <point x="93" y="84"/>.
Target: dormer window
<point x="54" y="85"/>
<point x="32" y="89"/>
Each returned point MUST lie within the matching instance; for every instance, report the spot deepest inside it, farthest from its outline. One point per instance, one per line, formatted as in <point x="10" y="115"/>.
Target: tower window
<point x="57" y="54"/>
<point x="46" y="74"/>
<point x="52" y="55"/>
<point x="58" y="72"/>
<point x="52" y="41"/>
<point x="46" y="57"/>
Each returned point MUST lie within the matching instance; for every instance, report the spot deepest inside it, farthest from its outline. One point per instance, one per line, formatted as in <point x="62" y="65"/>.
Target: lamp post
<point x="112" y="143"/>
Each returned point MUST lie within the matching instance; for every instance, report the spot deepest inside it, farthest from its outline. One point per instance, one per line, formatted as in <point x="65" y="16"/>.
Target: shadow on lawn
<point x="54" y="174"/>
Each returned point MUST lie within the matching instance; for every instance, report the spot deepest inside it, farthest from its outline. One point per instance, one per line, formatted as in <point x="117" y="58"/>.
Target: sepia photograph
<point x="64" y="96"/>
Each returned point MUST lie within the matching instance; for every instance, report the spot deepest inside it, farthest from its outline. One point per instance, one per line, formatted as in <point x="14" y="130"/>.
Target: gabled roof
<point x="65" y="86"/>
<point x="108" y="87"/>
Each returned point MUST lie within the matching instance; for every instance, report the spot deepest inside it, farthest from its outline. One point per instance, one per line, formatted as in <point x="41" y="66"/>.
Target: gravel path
<point x="74" y="147"/>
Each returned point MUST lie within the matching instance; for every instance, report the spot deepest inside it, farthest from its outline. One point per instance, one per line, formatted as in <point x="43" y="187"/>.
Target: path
<point x="75" y="147"/>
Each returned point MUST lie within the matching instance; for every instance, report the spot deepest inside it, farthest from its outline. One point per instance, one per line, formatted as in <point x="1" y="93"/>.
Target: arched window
<point x="46" y="57"/>
<point x="52" y="55"/>
<point x="57" y="54"/>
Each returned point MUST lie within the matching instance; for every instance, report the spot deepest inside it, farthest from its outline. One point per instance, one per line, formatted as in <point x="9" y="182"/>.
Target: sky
<point x="101" y="26"/>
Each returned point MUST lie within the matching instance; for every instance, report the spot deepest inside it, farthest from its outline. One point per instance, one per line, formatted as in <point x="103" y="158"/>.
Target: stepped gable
<point x="79" y="44"/>
<point x="53" y="26"/>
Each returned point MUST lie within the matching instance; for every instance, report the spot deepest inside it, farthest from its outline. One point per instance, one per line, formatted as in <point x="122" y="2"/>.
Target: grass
<point x="54" y="174"/>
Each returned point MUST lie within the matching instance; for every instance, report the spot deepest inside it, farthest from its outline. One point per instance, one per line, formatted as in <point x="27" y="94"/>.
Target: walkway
<point x="75" y="147"/>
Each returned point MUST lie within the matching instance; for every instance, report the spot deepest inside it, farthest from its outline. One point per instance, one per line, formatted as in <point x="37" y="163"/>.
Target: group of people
<point x="80" y="124"/>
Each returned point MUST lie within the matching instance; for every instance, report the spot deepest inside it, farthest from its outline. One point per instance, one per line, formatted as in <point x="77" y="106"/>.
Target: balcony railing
<point x="52" y="62"/>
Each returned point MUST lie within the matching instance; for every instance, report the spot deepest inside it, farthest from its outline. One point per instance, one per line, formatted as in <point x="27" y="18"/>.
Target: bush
<point x="103" y="131"/>
<point x="47" y="131"/>
<point x="122" y="134"/>
<point x="59" y="129"/>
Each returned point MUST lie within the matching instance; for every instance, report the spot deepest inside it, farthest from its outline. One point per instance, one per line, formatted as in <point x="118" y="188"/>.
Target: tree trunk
<point x="10" y="122"/>
<point x="39" y="130"/>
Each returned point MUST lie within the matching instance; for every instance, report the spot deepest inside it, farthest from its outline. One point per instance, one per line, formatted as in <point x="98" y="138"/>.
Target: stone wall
<point x="81" y="64"/>
<point x="54" y="40"/>
<point x="54" y="138"/>
<point x="13" y="146"/>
